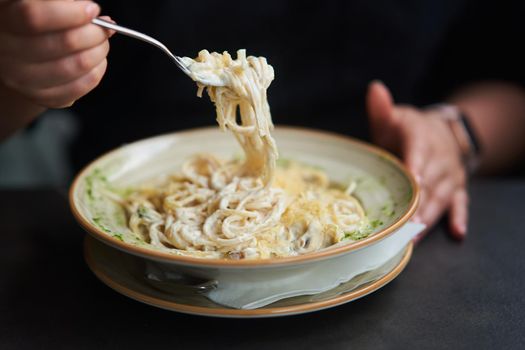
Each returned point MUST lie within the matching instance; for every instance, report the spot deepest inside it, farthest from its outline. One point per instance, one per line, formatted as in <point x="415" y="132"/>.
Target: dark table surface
<point x="452" y="295"/>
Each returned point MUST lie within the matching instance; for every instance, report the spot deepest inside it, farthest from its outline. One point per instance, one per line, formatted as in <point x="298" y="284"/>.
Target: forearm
<point x="496" y="111"/>
<point x="15" y="111"/>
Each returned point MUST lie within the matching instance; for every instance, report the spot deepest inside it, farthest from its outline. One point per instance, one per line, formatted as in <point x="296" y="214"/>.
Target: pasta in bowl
<point x="192" y="203"/>
<point x="384" y="188"/>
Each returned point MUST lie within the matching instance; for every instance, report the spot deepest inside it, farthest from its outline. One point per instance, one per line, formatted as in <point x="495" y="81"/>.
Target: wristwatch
<point x="463" y="131"/>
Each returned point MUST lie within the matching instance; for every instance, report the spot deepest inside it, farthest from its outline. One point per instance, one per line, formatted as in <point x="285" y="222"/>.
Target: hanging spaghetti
<point x="242" y="209"/>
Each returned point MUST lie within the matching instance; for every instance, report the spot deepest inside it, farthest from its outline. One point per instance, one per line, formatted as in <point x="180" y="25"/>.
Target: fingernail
<point x="92" y="9"/>
<point x="418" y="238"/>
<point x="109" y="31"/>
<point x="416" y="219"/>
<point x="108" y="18"/>
<point x="377" y="81"/>
<point x="418" y="179"/>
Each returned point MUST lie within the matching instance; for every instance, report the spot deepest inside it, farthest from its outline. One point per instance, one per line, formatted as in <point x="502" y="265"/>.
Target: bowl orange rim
<point x="186" y="260"/>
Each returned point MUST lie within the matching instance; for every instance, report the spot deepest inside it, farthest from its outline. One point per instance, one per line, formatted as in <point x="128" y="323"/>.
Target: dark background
<point x="324" y="54"/>
<point x="461" y="296"/>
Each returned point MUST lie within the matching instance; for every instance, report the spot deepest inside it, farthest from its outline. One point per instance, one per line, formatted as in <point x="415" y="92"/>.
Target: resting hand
<point x="429" y="149"/>
<point x="50" y="54"/>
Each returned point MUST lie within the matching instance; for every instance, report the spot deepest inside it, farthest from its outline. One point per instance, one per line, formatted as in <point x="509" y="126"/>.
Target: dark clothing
<point x="324" y="54"/>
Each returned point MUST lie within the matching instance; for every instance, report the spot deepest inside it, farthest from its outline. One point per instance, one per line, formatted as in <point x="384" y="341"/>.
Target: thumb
<point x="380" y="107"/>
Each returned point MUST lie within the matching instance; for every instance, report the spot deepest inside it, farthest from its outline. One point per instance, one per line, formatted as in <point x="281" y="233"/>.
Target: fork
<point x="148" y="39"/>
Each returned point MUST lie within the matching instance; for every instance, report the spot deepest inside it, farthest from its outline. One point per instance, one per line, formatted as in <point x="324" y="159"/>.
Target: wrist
<point x="466" y="139"/>
<point x="16" y="111"/>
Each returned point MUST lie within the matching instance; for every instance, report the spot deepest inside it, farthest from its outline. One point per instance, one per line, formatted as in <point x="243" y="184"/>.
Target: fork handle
<point x="143" y="37"/>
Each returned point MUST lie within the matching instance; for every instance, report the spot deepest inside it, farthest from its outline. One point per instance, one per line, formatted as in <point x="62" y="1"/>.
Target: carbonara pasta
<point x="242" y="209"/>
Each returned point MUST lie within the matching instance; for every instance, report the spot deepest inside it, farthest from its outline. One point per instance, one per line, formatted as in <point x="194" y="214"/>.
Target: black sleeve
<point x="484" y="43"/>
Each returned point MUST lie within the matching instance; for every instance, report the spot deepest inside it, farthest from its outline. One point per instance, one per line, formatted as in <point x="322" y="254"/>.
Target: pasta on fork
<point x="249" y="208"/>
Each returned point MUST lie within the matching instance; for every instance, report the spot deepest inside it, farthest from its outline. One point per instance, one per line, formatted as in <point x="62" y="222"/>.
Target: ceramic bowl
<point x="385" y="188"/>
